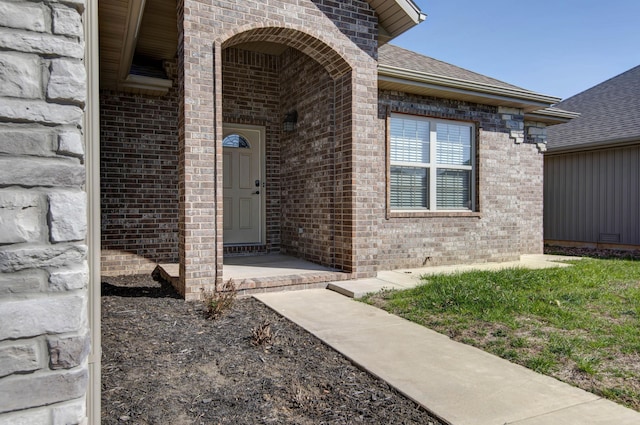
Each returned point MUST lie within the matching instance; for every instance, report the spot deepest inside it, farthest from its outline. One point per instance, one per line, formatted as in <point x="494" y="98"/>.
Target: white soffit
<point x="396" y="16"/>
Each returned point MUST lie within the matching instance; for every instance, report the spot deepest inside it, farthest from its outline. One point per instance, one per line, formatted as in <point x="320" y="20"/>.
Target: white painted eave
<point x="412" y="10"/>
<point x="551" y="116"/>
<point x="413" y="81"/>
<point x="395" y="17"/>
<point x="134" y="20"/>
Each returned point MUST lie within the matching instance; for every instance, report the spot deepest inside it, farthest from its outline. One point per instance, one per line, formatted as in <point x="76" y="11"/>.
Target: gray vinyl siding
<point x="593" y="196"/>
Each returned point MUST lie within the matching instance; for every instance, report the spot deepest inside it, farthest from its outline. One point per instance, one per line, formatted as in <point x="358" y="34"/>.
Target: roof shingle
<point x="610" y="113"/>
<point x="398" y="57"/>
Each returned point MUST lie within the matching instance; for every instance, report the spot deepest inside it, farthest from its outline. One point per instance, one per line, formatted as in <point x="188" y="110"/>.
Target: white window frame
<point x="433" y="166"/>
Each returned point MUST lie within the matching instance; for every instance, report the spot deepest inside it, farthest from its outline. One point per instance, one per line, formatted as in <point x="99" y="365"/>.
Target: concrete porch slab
<point x="253" y="274"/>
<point x="261" y="266"/>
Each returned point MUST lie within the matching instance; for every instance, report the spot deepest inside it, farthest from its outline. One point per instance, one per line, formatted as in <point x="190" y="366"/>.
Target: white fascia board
<point x="412" y="9"/>
<point x="412" y="77"/>
<point x="554" y="115"/>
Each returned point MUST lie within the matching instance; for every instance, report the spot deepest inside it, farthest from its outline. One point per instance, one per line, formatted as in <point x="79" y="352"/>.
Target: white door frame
<point x="229" y="128"/>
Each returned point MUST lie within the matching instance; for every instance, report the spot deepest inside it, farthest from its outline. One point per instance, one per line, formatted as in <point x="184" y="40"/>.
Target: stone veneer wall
<point x="139" y="180"/>
<point x="508" y="218"/>
<point x="44" y="339"/>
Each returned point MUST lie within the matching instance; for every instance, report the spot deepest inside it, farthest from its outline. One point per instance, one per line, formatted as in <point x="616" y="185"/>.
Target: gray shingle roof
<point x="391" y="55"/>
<point x="610" y="113"/>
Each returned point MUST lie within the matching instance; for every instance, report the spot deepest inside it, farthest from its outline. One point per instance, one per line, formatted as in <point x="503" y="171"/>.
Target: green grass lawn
<point x="580" y="324"/>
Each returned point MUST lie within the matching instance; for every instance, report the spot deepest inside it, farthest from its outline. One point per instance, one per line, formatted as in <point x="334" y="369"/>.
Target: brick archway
<point x="351" y="74"/>
<point x="306" y="43"/>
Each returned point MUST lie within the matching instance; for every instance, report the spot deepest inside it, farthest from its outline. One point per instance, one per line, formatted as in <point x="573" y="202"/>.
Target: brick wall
<point x="356" y="20"/>
<point x="139" y="179"/>
<point x="44" y="339"/>
<point x="508" y="221"/>
<point x="531" y="199"/>
<point x="308" y="160"/>
<point x="344" y="188"/>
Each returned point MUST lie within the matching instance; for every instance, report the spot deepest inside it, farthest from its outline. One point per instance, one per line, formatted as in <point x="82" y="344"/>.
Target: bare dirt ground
<point x="164" y="363"/>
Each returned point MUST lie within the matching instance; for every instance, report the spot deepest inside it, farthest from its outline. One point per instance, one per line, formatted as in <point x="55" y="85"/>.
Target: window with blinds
<point x="431" y="164"/>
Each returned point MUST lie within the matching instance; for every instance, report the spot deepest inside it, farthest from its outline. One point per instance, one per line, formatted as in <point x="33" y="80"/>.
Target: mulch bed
<point x="593" y="253"/>
<point x="164" y="363"/>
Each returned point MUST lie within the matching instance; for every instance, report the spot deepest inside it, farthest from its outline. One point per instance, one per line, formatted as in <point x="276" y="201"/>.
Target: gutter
<point x="601" y="144"/>
<point x="423" y="78"/>
<point x="551" y="115"/>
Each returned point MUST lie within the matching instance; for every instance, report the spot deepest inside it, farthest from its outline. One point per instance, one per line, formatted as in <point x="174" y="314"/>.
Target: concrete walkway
<point x="458" y="383"/>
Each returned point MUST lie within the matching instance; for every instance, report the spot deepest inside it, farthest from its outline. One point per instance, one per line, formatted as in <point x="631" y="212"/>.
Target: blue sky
<point x="559" y="48"/>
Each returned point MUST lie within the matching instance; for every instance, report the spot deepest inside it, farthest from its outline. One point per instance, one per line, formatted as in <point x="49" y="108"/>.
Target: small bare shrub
<point x="218" y="303"/>
<point x="261" y="334"/>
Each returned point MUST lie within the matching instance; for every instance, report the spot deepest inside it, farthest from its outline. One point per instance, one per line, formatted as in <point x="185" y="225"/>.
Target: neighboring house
<point x="592" y="168"/>
<point x="234" y="127"/>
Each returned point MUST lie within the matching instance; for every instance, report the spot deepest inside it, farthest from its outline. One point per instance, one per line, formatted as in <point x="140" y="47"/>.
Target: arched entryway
<point x="295" y="90"/>
<point x="255" y="73"/>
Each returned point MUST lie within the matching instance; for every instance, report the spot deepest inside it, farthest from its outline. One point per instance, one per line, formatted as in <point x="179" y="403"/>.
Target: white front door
<point x="243" y="183"/>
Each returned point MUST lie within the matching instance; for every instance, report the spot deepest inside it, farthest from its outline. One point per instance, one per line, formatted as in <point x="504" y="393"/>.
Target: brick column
<point x="198" y="247"/>
<point x="368" y="171"/>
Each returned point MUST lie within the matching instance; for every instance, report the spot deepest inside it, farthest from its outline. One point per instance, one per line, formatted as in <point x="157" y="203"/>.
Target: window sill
<point x="434" y="214"/>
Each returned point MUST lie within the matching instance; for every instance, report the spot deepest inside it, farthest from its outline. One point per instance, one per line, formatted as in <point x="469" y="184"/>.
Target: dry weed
<point x="261" y="334"/>
<point x="218" y="303"/>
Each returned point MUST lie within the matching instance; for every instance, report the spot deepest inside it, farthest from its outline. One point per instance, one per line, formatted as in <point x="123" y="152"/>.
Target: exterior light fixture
<point x="290" y="120"/>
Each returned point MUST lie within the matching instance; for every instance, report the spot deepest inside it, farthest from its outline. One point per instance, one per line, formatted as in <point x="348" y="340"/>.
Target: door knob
<point x="257" y="192"/>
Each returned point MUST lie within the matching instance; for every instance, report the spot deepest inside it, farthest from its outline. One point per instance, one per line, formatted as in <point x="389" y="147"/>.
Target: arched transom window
<point x="235" y="141"/>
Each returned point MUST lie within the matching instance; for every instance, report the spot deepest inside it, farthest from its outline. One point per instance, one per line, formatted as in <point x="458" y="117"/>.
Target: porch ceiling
<point x="127" y="27"/>
<point x="149" y="28"/>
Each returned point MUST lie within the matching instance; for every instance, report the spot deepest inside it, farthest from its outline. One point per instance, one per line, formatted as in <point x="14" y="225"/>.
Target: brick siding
<point x="508" y="222"/>
<point x="139" y="180"/>
<point x="308" y="158"/>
